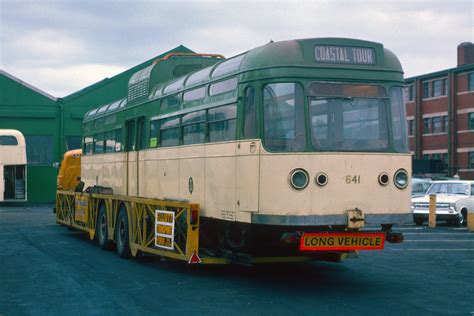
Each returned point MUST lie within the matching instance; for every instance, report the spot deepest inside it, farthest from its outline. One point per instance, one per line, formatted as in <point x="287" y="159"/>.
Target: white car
<point x="454" y="198"/>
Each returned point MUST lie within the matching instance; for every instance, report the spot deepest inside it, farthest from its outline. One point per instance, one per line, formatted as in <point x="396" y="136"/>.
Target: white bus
<point x="12" y="166"/>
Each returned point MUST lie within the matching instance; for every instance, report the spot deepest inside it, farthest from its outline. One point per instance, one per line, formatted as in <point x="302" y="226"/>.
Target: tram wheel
<point x="102" y="229"/>
<point x="121" y="235"/>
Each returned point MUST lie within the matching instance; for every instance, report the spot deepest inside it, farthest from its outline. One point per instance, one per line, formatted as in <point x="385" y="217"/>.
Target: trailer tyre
<point x="121" y="234"/>
<point x="102" y="228"/>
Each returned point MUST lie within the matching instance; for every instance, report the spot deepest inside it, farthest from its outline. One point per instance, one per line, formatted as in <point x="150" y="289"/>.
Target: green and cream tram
<point x="290" y="139"/>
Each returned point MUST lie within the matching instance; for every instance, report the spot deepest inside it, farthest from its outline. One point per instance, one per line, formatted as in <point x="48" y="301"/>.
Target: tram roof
<point x="323" y="53"/>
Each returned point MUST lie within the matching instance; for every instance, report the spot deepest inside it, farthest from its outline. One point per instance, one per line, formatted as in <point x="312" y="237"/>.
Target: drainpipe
<point x="452" y="136"/>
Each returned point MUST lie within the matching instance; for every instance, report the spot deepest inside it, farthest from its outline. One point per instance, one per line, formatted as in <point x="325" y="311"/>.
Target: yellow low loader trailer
<point x="160" y="227"/>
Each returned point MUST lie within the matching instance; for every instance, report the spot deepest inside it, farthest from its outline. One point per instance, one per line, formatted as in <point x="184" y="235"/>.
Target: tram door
<point x="248" y="156"/>
<point x="135" y="131"/>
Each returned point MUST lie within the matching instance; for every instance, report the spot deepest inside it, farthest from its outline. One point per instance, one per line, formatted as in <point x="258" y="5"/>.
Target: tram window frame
<point x="194" y="123"/>
<point x="226" y="122"/>
<point x="176" y="141"/>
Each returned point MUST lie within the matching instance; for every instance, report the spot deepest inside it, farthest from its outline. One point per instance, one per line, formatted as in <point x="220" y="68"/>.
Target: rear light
<point x="194" y="218"/>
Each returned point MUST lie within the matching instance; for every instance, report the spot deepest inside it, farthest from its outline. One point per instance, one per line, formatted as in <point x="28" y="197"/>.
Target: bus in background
<point x="12" y="166"/>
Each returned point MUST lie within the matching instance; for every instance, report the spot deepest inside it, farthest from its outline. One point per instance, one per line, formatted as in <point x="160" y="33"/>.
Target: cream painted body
<point x="232" y="180"/>
<point x="14" y="155"/>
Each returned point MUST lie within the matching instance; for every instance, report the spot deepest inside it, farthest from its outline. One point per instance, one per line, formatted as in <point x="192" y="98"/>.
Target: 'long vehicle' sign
<point x="342" y="241"/>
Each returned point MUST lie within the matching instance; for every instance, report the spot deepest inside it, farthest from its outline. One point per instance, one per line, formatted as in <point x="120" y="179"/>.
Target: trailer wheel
<point x="102" y="228"/>
<point x="121" y="235"/>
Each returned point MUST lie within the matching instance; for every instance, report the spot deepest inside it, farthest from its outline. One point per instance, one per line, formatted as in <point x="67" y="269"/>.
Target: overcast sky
<point x="63" y="46"/>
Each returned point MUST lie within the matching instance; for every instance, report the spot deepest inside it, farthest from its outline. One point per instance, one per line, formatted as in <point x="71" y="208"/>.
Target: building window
<point x="73" y="142"/>
<point x="444" y="158"/>
<point x="426" y="90"/>
<point x="470" y="80"/>
<point x="445" y="87"/>
<point x="410" y="127"/>
<point x="426" y="157"/>
<point x="445" y="124"/>
<point x="436" y="88"/>
<point x="436" y="125"/>
<point x="471" y="160"/>
<point x="409" y="94"/>
<point x="426" y="126"/>
<point x="39" y="150"/>
<point x="471" y="120"/>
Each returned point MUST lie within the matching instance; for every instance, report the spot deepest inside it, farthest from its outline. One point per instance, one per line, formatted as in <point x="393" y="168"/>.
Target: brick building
<point x="440" y="114"/>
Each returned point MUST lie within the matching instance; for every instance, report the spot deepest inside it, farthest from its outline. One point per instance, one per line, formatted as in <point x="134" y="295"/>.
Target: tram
<point x="285" y="147"/>
<point x="12" y="166"/>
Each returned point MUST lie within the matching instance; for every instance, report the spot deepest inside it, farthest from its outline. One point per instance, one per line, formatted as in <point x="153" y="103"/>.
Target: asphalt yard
<point x="45" y="269"/>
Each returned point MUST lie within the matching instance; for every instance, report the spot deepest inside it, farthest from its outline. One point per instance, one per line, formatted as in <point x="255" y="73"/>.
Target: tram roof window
<point x="114" y="105"/>
<point x="102" y="109"/>
<point x="199" y="76"/>
<point x="123" y="103"/>
<point x="174" y="86"/>
<point x="195" y="94"/>
<point x="347" y="90"/>
<point x="141" y="75"/>
<point x="158" y="92"/>
<point x="92" y="112"/>
<point x="223" y="86"/>
<point x="228" y="66"/>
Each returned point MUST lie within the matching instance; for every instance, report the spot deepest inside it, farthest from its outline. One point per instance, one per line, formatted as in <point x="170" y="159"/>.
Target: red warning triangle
<point x="194" y="259"/>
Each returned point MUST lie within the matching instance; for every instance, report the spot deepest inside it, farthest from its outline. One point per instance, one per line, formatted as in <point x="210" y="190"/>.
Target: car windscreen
<point x="449" y="188"/>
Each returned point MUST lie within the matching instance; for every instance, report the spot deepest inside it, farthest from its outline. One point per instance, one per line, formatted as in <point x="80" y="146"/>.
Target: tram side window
<point x="154" y="130"/>
<point x="8" y="140"/>
<point x="222" y="123"/>
<point x="399" y="128"/>
<point x="170" y="132"/>
<point x="118" y="140"/>
<point x="141" y="134"/>
<point x="284" y="117"/>
<point x="110" y="142"/>
<point x="194" y="125"/>
<point x="99" y="144"/>
<point x="250" y="120"/>
<point x="88" y="145"/>
<point x="171" y="101"/>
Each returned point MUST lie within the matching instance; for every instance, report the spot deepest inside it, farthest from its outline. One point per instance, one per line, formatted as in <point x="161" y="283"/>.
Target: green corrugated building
<point x="52" y="125"/>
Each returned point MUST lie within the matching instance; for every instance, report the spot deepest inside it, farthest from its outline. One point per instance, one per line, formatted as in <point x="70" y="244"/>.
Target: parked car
<point x="453" y="201"/>
<point x="419" y="186"/>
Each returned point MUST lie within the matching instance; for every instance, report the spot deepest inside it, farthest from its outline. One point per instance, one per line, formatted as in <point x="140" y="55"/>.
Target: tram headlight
<point x="401" y="179"/>
<point x="298" y="179"/>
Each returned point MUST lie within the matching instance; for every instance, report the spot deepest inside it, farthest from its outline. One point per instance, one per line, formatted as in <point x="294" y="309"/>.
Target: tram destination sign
<point x="344" y="55"/>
